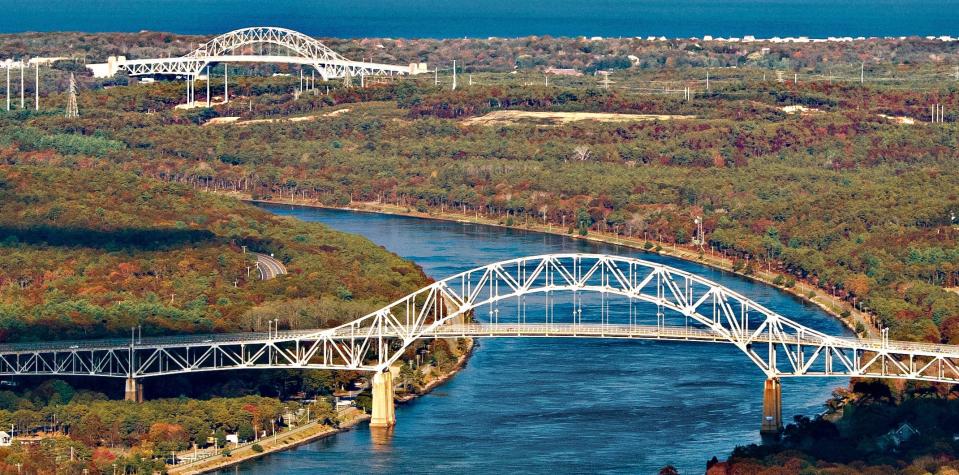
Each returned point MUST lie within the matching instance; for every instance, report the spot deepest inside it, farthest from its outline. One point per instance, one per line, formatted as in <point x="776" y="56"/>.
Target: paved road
<point x="268" y="266"/>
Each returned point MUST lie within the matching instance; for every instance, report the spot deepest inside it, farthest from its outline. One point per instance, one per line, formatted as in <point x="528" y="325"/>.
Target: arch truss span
<point x="241" y="46"/>
<point x="572" y="295"/>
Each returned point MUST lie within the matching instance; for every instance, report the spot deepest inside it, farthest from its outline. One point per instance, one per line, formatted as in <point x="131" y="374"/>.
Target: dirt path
<point x="305" y="118"/>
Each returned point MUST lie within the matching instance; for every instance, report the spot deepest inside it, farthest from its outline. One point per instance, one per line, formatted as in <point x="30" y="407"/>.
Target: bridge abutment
<point x="384" y="414"/>
<point x="772" y="424"/>
<point x="133" y="390"/>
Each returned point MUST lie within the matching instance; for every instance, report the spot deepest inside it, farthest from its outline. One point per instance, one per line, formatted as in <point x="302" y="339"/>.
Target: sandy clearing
<point x="557" y="118"/>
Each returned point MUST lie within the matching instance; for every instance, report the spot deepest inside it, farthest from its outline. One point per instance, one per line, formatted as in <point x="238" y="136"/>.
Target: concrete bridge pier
<point x="384" y="414"/>
<point x="772" y="424"/>
<point x="133" y="390"/>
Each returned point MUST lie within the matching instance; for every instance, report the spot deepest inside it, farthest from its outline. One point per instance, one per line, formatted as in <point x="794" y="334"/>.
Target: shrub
<point x="257" y="448"/>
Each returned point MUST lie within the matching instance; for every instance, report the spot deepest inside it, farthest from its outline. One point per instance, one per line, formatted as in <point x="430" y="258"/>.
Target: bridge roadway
<point x="190" y="65"/>
<point x="471" y="330"/>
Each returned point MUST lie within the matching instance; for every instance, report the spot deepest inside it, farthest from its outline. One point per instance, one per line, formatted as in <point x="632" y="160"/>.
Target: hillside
<point x="93" y="253"/>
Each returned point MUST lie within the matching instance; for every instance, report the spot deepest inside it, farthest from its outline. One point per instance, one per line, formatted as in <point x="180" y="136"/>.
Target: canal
<point x="553" y="405"/>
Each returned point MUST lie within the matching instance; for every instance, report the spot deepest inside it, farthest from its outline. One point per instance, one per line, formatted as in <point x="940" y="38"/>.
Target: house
<point x="894" y="438"/>
<point x="5" y="439"/>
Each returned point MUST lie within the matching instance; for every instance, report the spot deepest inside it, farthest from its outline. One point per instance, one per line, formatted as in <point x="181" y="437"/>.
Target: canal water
<point x="558" y="405"/>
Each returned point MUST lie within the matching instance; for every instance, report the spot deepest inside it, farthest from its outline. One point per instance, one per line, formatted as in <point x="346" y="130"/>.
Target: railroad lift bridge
<point x="571" y="296"/>
<point x="245" y="45"/>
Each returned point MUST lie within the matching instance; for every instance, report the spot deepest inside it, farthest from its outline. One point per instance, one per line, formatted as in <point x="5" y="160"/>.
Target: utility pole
<point x="436" y="77"/>
<point x="36" y="92"/>
<point x="301" y="79"/>
<point x="606" y="80"/>
<point x="707" y="79"/>
<point x="8" y="88"/>
<point x="22" y="83"/>
<point x="862" y="73"/>
<point x="226" y="83"/>
<point x="72" y="109"/>
<point x="454" y="75"/>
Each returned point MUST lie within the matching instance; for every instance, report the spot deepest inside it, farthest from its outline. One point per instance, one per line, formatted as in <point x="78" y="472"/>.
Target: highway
<point x="268" y="266"/>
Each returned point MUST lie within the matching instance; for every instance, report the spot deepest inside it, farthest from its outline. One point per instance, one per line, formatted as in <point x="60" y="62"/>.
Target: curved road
<point x="268" y="266"/>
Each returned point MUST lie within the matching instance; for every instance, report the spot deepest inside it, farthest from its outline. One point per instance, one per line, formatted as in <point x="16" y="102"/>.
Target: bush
<point x="779" y="280"/>
<point x="845" y="313"/>
<point x="227" y="453"/>
<point x="257" y="448"/>
<point x="647" y="245"/>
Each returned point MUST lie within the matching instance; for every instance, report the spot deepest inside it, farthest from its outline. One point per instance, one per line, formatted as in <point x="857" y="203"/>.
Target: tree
<point x="167" y="437"/>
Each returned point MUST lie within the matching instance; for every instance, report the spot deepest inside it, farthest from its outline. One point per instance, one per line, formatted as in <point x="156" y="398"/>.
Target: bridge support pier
<point x="772" y="424"/>
<point x="384" y="414"/>
<point x="133" y="390"/>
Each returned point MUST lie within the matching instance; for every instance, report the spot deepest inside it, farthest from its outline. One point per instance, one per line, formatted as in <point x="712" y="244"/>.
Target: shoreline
<point x="829" y="304"/>
<point x="301" y="435"/>
<point x="430" y="386"/>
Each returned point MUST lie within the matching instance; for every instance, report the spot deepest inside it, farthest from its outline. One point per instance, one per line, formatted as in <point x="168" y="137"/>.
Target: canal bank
<point x="283" y="441"/>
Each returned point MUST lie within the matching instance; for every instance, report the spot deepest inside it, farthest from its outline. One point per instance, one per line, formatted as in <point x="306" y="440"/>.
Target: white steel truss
<point x="237" y="47"/>
<point x="686" y="307"/>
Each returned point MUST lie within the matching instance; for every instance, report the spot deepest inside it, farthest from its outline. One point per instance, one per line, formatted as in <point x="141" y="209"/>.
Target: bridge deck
<point x="475" y="330"/>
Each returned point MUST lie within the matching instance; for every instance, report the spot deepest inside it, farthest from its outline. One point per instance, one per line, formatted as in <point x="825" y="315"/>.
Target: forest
<point x="128" y="215"/>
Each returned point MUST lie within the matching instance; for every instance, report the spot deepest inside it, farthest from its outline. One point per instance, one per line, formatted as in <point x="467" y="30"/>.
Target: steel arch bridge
<point x="673" y="305"/>
<point x="232" y="47"/>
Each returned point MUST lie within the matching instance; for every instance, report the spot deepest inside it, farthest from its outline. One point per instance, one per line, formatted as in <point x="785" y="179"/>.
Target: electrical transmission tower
<point x="72" y="110"/>
<point x="348" y="79"/>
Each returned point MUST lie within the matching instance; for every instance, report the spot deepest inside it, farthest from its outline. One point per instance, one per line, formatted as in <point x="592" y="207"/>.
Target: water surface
<point x="558" y="405"/>
<point x="482" y="18"/>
